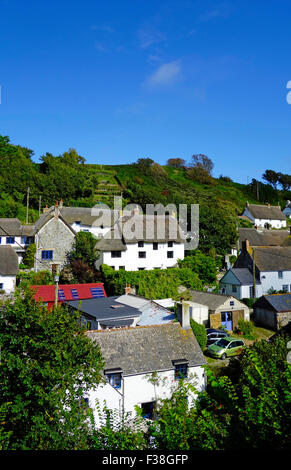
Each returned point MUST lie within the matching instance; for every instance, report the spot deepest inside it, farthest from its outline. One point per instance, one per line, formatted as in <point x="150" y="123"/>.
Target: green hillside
<point x="70" y="178"/>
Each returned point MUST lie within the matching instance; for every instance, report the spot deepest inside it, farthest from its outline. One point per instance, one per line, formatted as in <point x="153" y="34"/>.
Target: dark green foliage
<point x="200" y="333"/>
<point x="43" y="357"/>
<point x="247" y="328"/>
<point x="80" y="267"/>
<point x="153" y="284"/>
<point x="31" y="278"/>
<point x="29" y="255"/>
<point x="201" y="264"/>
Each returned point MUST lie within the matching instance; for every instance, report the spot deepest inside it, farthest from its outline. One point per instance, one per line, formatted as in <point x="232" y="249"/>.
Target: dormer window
<point x="181" y="368"/>
<point x="114" y="377"/>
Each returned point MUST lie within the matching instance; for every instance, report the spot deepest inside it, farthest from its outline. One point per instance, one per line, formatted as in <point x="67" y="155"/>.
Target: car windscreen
<point x="222" y="343"/>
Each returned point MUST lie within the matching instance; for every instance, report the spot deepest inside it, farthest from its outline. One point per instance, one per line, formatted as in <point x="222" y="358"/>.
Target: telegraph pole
<point x="39" y="206"/>
<point x="254" y="274"/>
<point x="27" y="205"/>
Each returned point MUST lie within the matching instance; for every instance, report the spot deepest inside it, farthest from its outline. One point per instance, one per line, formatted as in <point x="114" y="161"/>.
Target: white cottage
<point x="272" y="272"/>
<point x="8" y="269"/>
<point x="265" y="215"/>
<point x="142" y="242"/>
<point x="133" y="355"/>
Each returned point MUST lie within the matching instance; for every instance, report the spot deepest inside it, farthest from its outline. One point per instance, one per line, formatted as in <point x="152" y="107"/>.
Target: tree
<point x="271" y="177"/>
<point x="202" y="161"/>
<point x="47" y="364"/>
<point x="29" y="255"/>
<point x="285" y="181"/>
<point x="83" y="249"/>
<point x="202" y="264"/>
<point x="176" y="162"/>
<point x="80" y="267"/>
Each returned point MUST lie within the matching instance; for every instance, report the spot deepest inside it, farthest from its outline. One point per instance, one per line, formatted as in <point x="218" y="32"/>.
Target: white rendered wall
<point x="137" y="389"/>
<point x="98" y="232"/>
<point x="271" y="280"/>
<point x="154" y="258"/>
<point x="262" y="222"/>
<point x="8" y="283"/>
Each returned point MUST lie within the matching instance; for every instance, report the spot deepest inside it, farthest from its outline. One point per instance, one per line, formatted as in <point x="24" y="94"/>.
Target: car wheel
<point x="223" y="356"/>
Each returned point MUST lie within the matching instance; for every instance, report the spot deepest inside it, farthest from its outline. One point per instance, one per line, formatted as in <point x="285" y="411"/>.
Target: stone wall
<point x="55" y="235"/>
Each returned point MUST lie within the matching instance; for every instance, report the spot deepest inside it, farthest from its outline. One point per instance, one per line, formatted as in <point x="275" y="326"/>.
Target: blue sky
<point x="120" y="80"/>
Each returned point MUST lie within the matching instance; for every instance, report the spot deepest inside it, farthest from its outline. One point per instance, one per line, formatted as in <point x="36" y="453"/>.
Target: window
<point x="280" y="274"/>
<point x="170" y="254"/>
<point x="251" y="291"/>
<point x="1" y="286"/>
<point x="231" y="303"/>
<point x="170" y="244"/>
<point x="61" y="295"/>
<point x="0" y="239"/>
<point x="115" y="254"/>
<point x="140" y="244"/>
<point x="155" y="246"/>
<point x="148" y="409"/>
<point x="47" y="254"/>
<point x="114" y="380"/>
<point x="234" y="288"/>
<point x="285" y="288"/>
<point x="10" y="240"/>
<point x="142" y="254"/>
<point x="75" y="294"/>
<point x="141" y="269"/>
<point x="96" y="292"/>
<point x="181" y="371"/>
<point x="122" y="268"/>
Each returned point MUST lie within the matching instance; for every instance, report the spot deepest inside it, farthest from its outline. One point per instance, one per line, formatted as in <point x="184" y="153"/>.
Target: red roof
<point x="69" y="292"/>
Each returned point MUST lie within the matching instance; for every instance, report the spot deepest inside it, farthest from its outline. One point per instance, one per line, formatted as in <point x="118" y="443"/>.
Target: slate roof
<point x="147" y="349"/>
<point x="266" y="212"/>
<point x="262" y="237"/>
<point x="212" y="300"/>
<point x="244" y="275"/>
<point x="8" y="261"/>
<point x="273" y="258"/>
<point x="46" y="217"/>
<point x="151" y="312"/>
<point x="275" y="302"/>
<point x="104" y="308"/>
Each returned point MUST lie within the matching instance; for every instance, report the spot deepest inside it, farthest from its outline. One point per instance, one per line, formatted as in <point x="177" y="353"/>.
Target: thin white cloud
<point x="166" y="74"/>
<point x="222" y="10"/>
<point x="150" y="37"/>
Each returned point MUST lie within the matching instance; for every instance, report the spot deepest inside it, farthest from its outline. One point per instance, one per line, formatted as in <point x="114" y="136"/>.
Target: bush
<point x="247" y="328"/>
<point x="200" y="333"/>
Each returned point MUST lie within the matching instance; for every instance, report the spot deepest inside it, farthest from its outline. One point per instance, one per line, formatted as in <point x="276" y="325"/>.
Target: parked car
<point x="226" y="347"/>
<point x="214" y="335"/>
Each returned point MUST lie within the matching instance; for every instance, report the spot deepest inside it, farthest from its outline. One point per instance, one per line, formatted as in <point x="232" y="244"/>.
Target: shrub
<point x="247" y="328"/>
<point x="199" y="332"/>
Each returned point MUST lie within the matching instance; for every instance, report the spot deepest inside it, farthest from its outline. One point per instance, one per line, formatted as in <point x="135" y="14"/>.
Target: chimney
<point x="129" y="290"/>
<point x="57" y="210"/>
<point x="46" y="209"/>
<point x="184" y="315"/>
<point x="61" y="203"/>
<point x="245" y="245"/>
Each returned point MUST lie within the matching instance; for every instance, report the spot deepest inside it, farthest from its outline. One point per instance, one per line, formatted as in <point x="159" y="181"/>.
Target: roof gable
<point x="146" y="349"/>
